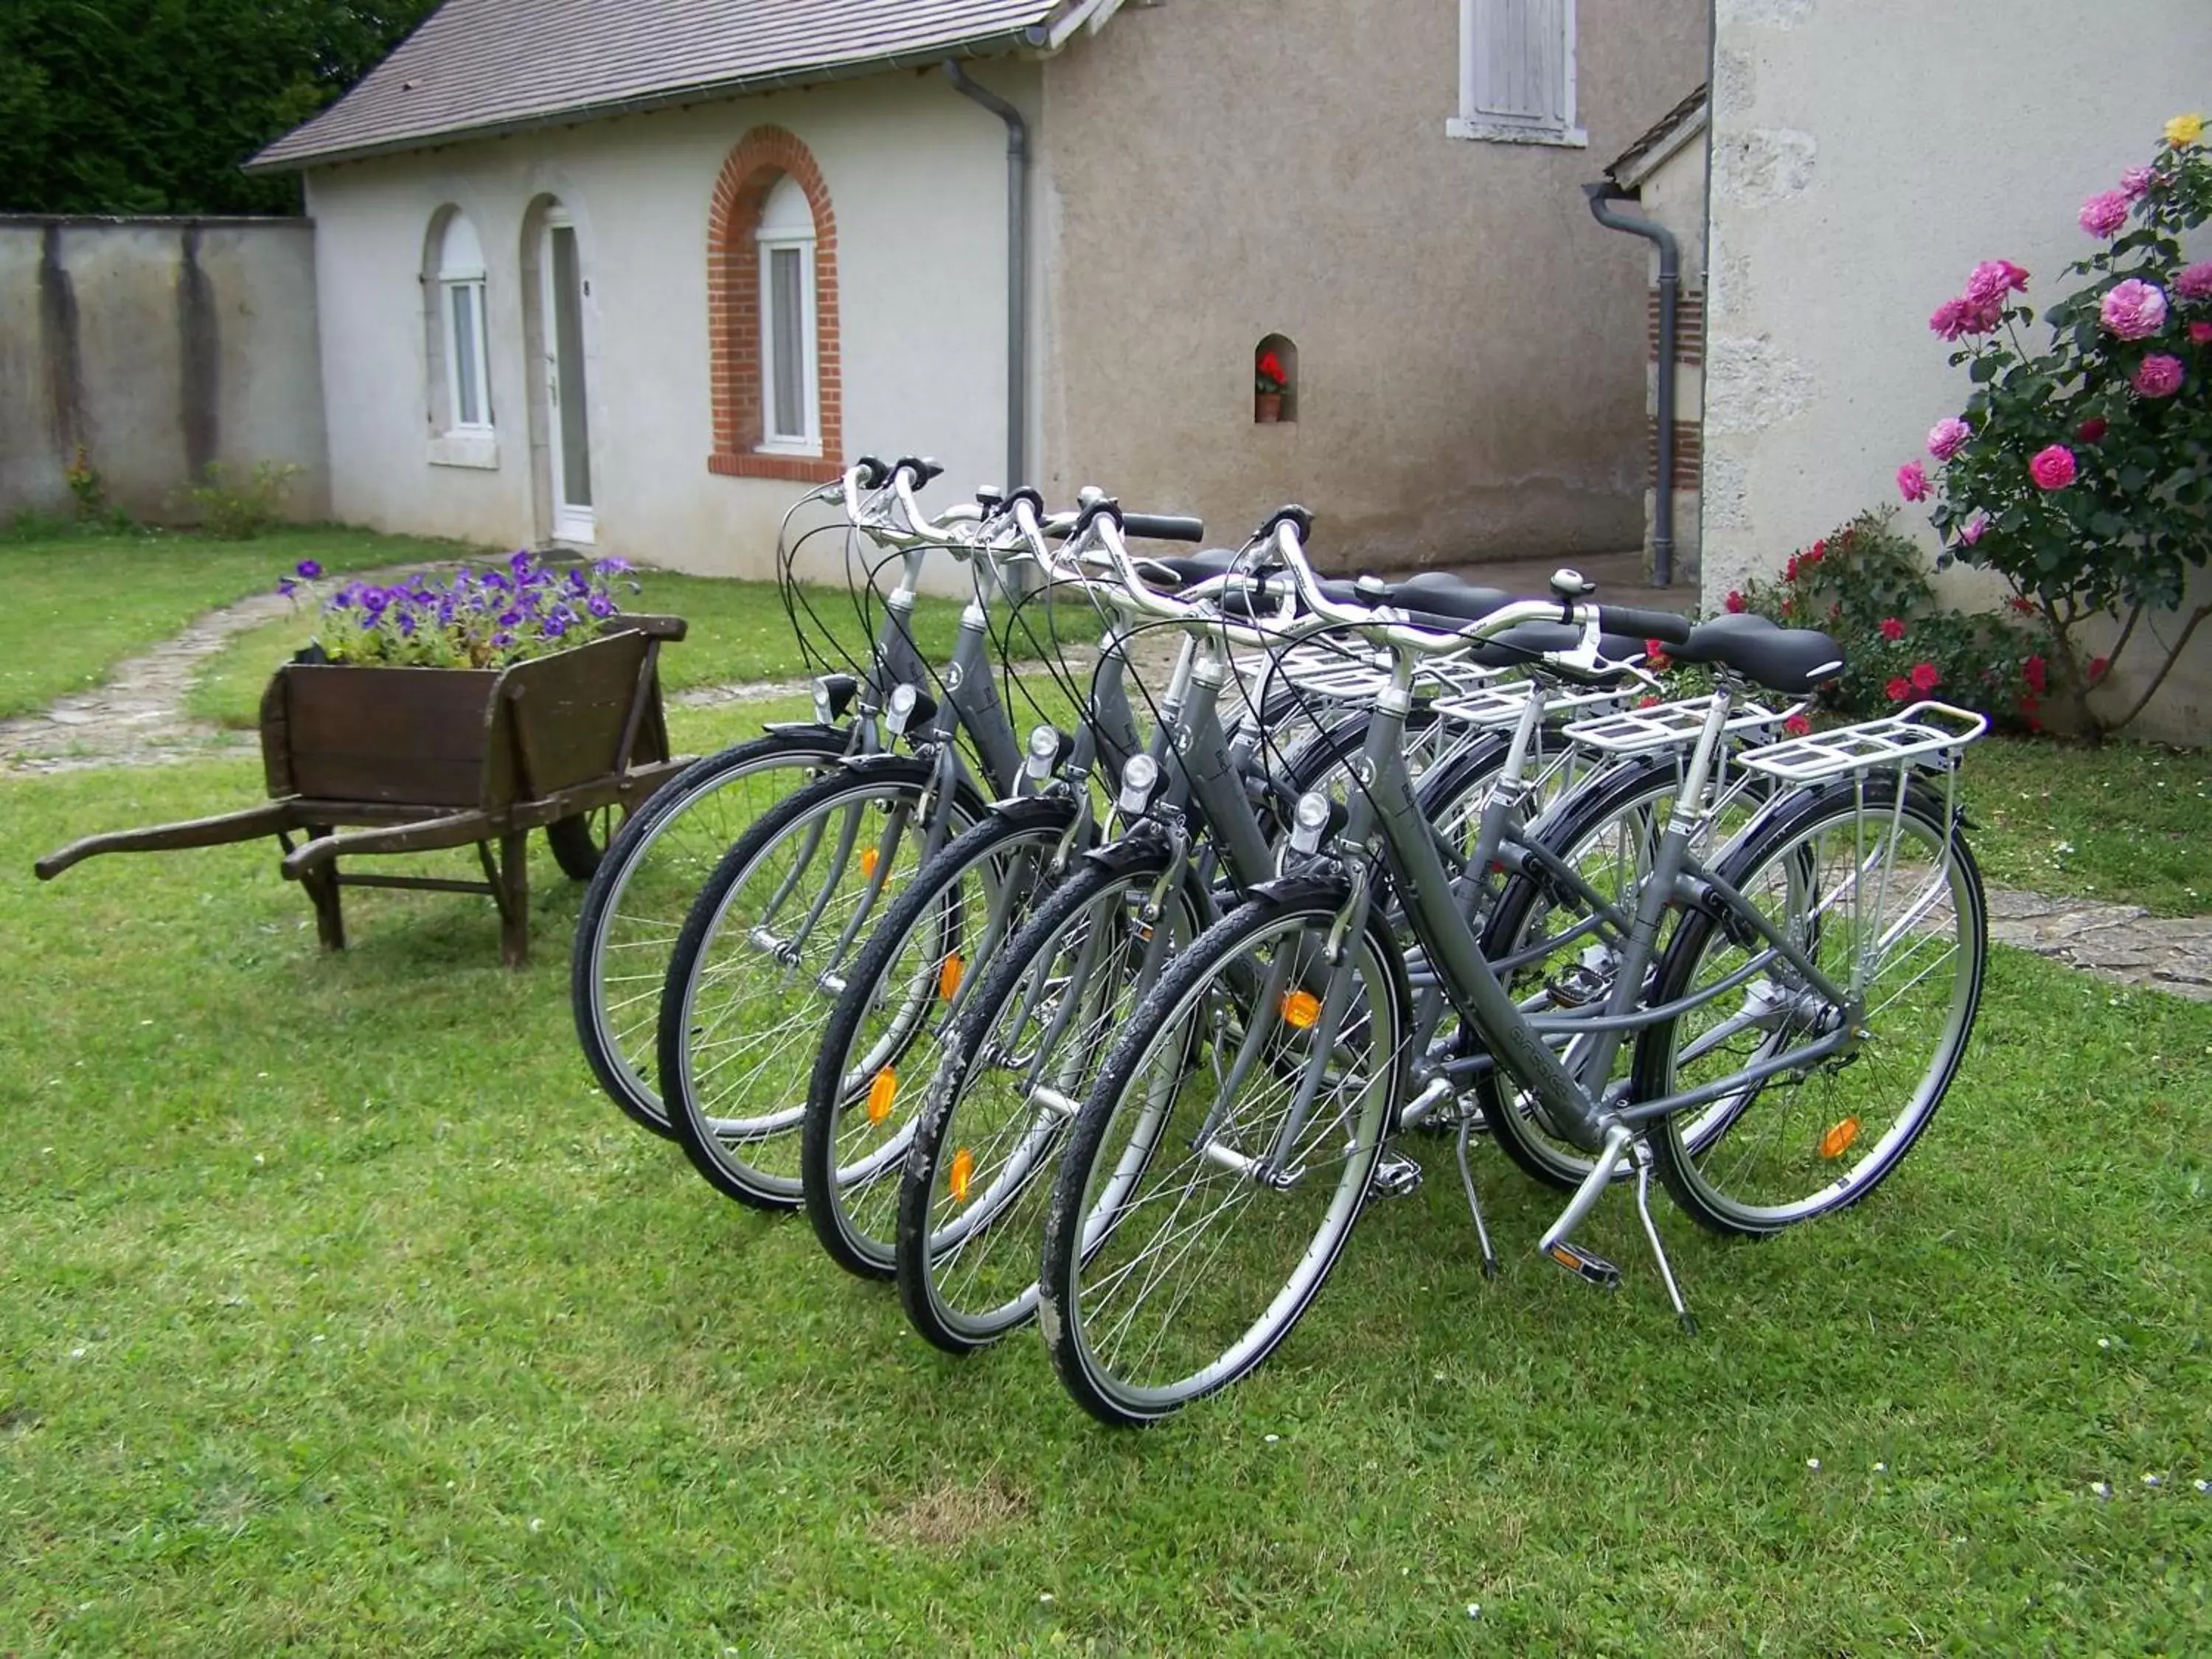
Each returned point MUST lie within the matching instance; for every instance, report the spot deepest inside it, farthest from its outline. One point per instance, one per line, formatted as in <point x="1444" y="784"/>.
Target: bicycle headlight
<point x="1138" y="778"/>
<point x="1309" y="821"/>
<point x="901" y="710"/>
<point x="1044" y="752"/>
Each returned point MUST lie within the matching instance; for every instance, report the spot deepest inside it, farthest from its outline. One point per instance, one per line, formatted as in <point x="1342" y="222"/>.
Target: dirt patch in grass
<point x="949" y="1517"/>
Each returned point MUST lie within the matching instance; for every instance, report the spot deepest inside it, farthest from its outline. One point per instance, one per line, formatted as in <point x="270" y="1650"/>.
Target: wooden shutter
<point x="1519" y="53"/>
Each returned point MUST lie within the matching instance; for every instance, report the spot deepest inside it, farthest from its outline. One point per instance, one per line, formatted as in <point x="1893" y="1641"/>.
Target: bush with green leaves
<point x="2081" y="473"/>
<point x="1869" y="586"/>
<point x="239" y="505"/>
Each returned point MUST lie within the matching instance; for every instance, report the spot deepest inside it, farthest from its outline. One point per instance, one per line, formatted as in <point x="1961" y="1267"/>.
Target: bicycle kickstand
<point x="1620" y="1143"/>
<point x="1689" y="1320"/>
<point x="1474" y="1204"/>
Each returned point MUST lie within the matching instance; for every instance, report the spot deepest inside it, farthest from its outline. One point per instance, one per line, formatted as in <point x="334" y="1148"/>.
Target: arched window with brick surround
<point x="772" y="314"/>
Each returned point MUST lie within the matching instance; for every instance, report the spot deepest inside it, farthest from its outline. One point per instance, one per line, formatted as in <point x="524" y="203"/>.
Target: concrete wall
<point x="1470" y="341"/>
<point x="159" y="345"/>
<point x="916" y="178"/>
<point x="1865" y="156"/>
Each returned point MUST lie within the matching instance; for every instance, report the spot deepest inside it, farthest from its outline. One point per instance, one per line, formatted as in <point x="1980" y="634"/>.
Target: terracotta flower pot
<point x="1266" y="407"/>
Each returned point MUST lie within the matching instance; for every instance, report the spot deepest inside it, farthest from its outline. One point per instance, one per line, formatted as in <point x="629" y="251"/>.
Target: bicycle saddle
<point x="1792" y="660"/>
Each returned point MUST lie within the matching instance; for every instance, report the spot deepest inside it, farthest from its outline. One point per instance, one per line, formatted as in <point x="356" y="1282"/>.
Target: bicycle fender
<point x="1129" y="853"/>
<point x="1329" y="889"/>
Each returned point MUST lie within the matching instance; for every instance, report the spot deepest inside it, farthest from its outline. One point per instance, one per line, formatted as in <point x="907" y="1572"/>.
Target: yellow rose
<point x="2184" y="131"/>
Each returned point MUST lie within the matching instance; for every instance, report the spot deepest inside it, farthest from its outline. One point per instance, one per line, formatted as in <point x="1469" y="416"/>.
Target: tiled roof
<point x="486" y="66"/>
<point x="1624" y="169"/>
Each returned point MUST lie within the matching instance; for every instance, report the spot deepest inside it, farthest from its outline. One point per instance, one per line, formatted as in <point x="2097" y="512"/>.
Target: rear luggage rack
<point x="1928" y="735"/>
<point x="1667" y="725"/>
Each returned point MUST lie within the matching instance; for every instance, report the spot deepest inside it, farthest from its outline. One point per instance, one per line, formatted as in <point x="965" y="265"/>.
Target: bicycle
<point x="1262" y="1076"/>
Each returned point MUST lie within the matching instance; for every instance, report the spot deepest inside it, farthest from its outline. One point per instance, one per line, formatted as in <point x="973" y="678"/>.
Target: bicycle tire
<point x="854" y="1139"/>
<point x="967" y="1272"/>
<point x="752" y="1157"/>
<point x="1798" y="1125"/>
<point x="663" y="847"/>
<point x="1093" y="1238"/>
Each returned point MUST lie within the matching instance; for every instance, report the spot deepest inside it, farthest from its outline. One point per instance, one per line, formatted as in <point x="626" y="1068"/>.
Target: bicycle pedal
<point x="1592" y="1269"/>
<point x="1396" y="1177"/>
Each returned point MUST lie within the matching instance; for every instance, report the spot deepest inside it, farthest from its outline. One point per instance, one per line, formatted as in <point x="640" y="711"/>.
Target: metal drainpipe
<point x="1670" y="283"/>
<point x="1018" y="267"/>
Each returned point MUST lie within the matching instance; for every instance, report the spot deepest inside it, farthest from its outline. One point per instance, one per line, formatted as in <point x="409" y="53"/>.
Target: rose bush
<point x="2081" y="473"/>
<point x="1868" y="586"/>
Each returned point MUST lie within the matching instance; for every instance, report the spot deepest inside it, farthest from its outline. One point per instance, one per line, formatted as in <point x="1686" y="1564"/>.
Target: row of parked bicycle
<point x="1118" y="1023"/>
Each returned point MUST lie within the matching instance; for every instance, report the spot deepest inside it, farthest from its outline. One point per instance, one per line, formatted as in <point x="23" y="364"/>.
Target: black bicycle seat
<point x="1792" y="660"/>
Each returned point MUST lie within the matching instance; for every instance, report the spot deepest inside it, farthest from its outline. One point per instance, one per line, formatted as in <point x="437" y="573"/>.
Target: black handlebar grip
<point x="1302" y="517"/>
<point x="1163" y="526"/>
<point x="874" y="474"/>
<point x="1026" y="492"/>
<point x="1092" y="508"/>
<point x="923" y="468"/>
<point x="1664" y="626"/>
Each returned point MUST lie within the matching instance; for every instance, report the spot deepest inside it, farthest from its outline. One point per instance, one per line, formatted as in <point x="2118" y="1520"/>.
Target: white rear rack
<point x="1665" y="726"/>
<point x="1927" y="733"/>
<point x="1493" y="705"/>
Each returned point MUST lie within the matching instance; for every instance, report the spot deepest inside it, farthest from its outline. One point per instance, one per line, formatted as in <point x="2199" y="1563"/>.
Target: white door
<point x="566" y="393"/>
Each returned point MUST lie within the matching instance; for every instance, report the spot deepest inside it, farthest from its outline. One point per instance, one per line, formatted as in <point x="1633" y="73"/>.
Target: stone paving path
<point x="138" y="719"/>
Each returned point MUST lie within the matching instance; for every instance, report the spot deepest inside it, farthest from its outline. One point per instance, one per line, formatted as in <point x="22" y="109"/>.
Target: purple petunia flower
<point x="555" y="628"/>
<point x="601" y="605"/>
<point x="610" y="565"/>
<point x="308" y="568"/>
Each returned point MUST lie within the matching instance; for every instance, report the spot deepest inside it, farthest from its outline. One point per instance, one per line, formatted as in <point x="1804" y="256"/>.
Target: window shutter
<point x="1520" y="72"/>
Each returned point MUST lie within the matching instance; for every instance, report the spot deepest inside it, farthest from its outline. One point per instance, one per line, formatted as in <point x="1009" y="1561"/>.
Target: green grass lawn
<point x="339" y="1312"/>
<point x="78" y="605"/>
<point x="2123" y="822"/>
<point x="738" y="634"/>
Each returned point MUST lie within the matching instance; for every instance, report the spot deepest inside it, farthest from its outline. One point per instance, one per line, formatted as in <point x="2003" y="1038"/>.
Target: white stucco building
<point x="637" y="272"/>
<point x="1865" y="156"/>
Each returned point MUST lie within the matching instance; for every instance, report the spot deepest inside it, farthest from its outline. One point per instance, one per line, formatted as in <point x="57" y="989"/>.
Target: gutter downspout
<point x="1670" y="283"/>
<point x="1018" y="267"/>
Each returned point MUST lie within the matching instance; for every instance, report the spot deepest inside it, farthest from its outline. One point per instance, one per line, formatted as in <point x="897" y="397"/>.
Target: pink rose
<point x="2133" y="309"/>
<point x="1950" y="319"/>
<point x="1993" y="279"/>
<point x="1976" y="528"/>
<point x="2052" y="468"/>
<point x="1912" y="482"/>
<point x="1948" y="437"/>
<point x="2201" y="333"/>
<point x="2194" y="282"/>
<point x="2135" y="181"/>
<point x="2159" y="377"/>
<point x="2104" y="213"/>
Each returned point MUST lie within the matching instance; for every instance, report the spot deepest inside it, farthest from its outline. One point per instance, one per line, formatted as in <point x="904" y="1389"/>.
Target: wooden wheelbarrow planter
<point x="427" y="759"/>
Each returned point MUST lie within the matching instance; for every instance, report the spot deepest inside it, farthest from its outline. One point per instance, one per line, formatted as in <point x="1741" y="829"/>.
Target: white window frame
<point x="466" y="283"/>
<point x="1472" y="122"/>
<point x="808" y="442"/>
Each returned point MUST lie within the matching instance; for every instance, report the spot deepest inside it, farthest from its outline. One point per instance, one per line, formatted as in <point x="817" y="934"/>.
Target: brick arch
<point x="762" y="158"/>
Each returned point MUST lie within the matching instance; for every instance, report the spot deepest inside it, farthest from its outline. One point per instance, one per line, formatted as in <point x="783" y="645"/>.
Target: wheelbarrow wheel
<point x="579" y="842"/>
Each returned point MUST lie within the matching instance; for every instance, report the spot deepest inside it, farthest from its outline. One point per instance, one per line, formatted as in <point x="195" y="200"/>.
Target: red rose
<point x="2092" y="430"/>
<point x="1734" y="603"/>
<point x="1656" y="657"/>
<point x="1898" y="691"/>
<point x="2022" y="604"/>
<point x="1820" y="551"/>
<point x="1790" y="571"/>
<point x="1647" y="702"/>
<point x="2032" y="671"/>
<point x="1924" y="676"/>
<point x="1892" y="628"/>
<point x="2099" y="667"/>
<point x="1797" y="725"/>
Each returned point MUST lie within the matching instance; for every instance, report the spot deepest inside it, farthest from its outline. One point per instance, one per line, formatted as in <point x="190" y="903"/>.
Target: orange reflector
<point x="1839" y="1137"/>
<point x="881" y="1093"/>
<point x="948" y="977"/>
<point x="868" y="862"/>
<point x="962" y="1172"/>
<point x="1301" y="1008"/>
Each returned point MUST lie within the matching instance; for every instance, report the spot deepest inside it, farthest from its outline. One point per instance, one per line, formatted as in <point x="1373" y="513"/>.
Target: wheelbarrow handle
<point x="271" y="818"/>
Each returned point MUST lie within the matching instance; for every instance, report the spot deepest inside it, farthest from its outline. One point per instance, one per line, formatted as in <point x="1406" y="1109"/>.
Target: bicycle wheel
<point x="972" y="1195"/>
<point x="643" y="888"/>
<point x="1878" y="890"/>
<point x="763" y="952"/>
<point x="920" y="969"/>
<point x="1553" y="951"/>
<point x="1181" y="1241"/>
